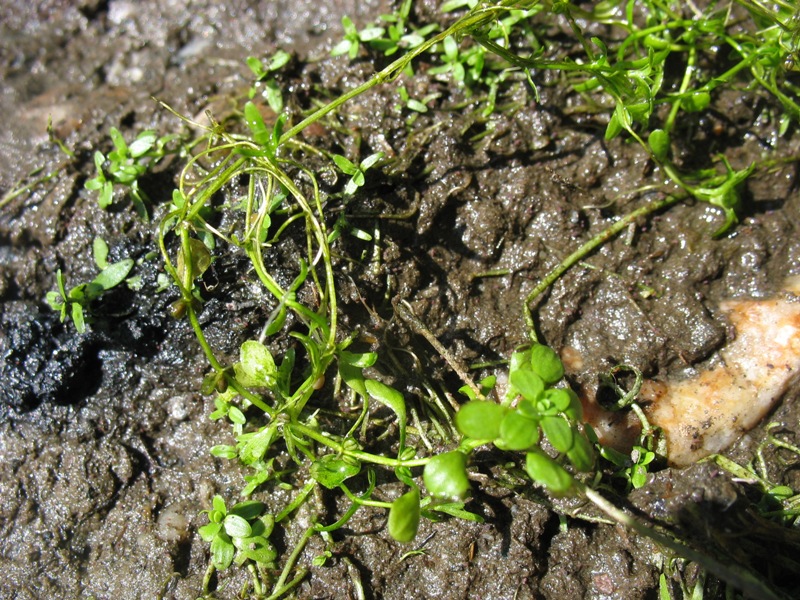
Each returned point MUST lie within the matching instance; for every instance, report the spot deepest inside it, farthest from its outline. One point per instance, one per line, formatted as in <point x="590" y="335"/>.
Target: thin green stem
<point x="472" y="21"/>
<point x="279" y="588"/>
<point x="584" y="251"/>
<point x="358" y="454"/>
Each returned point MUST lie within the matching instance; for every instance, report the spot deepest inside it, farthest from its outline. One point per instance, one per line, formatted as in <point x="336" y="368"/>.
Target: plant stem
<point x="358" y="454"/>
<point x="585" y="250"/>
<point x="473" y="20"/>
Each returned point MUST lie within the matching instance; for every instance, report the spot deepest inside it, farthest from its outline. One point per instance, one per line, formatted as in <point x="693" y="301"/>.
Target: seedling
<point x="241" y="536"/>
<point x="77" y="301"/>
<point x="542" y="411"/>
<point x="263" y="70"/>
<point x="353" y="38"/>
<point x="126" y="164"/>
<point x="356" y="171"/>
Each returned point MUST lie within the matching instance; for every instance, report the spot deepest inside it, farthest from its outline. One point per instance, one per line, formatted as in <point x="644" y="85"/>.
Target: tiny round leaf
<point x="518" y="432"/>
<point x="445" y="476"/>
<point x="546" y="363"/>
<point x="480" y="419"/>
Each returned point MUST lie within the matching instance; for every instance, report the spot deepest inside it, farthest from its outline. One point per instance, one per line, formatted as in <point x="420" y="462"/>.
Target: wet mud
<point x="104" y="437"/>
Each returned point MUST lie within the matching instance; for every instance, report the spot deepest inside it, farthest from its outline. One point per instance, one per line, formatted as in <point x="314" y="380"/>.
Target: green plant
<point x="263" y="70"/>
<point x="126" y="164"/>
<point x="77" y="301"/>
<point x="276" y="394"/>
<point x="355" y="171"/>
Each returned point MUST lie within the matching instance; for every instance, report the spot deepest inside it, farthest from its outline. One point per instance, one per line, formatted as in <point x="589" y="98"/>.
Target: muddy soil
<point x="104" y="437"/>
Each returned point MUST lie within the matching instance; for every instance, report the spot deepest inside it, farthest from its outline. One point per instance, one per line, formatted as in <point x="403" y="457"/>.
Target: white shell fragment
<point x="708" y="413"/>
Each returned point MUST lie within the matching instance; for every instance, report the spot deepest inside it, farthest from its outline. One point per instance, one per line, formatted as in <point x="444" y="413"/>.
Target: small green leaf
<point x="106" y="196"/>
<point x="404" y="517"/>
<point x="255" y="122"/>
<point x="100" y="252"/>
<point x="659" y="143"/>
<point x="480" y="419"/>
<point x="546" y="363"/>
<point x="257" y="367"/>
<point x="370" y="161"/>
<point x="257" y="549"/>
<point x="559" y="433"/>
<point x="353" y="378"/>
<point x="236" y="416"/>
<point x="200" y="259"/>
<point x="77" y="317"/>
<point x="222" y="551"/>
<point x="218" y="504"/>
<point x="55" y="300"/>
<point x="445" y="476"/>
<point x="614" y="127"/>
<point x="696" y="102"/>
<point x="113" y="274"/>
<point x="518" y="432"/>
<point x="332" y="470"/>
<point x="224" y="451"/>
<point x="236" y="526"/>
<point x="255" y="446"/>
<point x="361" y="359"/>
<point x="347" y="167"/>
<point x="581" y="455"/>
<point x="209" y="531"/>
<point x="256" y="66"/>
<point x="249" y="509"/>
<point x="543" y="469"/>
<point x="394" y="400"/>
<point x="559" y="398"/>
<point x="528" y="384"/>
<point x="142" y="144"/>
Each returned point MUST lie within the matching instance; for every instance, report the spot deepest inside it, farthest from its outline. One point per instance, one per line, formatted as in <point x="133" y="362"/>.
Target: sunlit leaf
<point x="445" y="476"/>
<point x="480" y="419"/>
<point x="404" y="517"/>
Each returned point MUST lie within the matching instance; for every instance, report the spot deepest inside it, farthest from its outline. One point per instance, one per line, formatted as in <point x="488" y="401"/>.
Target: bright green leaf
<point x="445" y="476"/>
<point x="518" y="432"/>
<point x="255" y="122"/>
<point x="236" y="526"/>
<point x="77" y="317"/>
<point x="659" y="143"/>
<point x="543" y="469"/>
<point x="528" y="384"/>
<point x="209" y="531"/>
<point x="257" y="367"/>
<point x="394" y="400"/>
<point x="114" y="274"/>
<point x="100" y="252"/>
<point x="559" y="433"/>
<point x="546" y="363"/>
<point x="218" y="505"/>
<point x="222" y="551"/>
<point x="361" y="359"/>
<point x="142" y="144"/>
<point x="249" y="509"/>
<point x="257" y="549"/>
<point x="332" y="470"/>
<point x="480" y="419"/>
<point x="404" y="517"/>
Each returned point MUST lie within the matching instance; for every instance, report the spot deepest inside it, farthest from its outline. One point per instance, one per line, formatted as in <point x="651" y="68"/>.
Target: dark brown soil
<point x="104" y="437"/>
